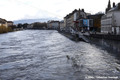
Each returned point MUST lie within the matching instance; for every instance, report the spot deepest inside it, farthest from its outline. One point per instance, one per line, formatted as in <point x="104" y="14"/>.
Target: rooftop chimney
<point x="113" y="4"/>
<point x="82" y="10"/>
<point x="79" y="12"/>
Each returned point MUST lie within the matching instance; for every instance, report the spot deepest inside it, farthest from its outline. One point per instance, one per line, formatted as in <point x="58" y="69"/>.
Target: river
<point x="48" y="55"/>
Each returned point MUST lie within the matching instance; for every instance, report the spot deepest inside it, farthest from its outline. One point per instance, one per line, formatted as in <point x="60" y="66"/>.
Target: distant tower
<point x="108" y="7"/>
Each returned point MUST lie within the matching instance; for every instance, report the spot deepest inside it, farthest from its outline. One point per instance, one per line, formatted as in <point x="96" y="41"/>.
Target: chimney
<point x="79" y="12"/>
<point x="113" y="4"/>
<point x="79" y="9"/>
<point x="82" y="10"/>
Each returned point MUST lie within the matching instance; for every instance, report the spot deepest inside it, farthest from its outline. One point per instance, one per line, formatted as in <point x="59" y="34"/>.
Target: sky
<point x="39" y="9"/>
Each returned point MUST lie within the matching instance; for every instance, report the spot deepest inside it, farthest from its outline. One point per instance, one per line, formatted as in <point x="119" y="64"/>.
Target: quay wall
<point x="106" y="36"/>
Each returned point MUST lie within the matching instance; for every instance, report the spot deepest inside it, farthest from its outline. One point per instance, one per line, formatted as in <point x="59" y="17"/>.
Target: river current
<point x="48" y="55"/>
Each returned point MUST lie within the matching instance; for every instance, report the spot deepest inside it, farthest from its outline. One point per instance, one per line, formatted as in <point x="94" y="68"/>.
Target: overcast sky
<point x="33" y="9"/>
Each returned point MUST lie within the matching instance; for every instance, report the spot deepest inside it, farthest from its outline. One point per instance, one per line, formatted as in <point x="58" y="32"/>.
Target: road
<point x="48" y="55"/>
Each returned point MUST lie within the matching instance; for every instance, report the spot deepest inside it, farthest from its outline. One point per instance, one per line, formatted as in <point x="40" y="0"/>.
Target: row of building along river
<point x="48" y="55"/>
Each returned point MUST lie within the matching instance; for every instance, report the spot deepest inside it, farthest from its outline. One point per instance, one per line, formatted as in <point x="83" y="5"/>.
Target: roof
<point x="9" y="22"/>
<point x="2" y="21"/>
<point x="95" y="16"/>
<point x="116" y="8"/>
<point x="70" y="14"/>
<point x="104" y="17"/>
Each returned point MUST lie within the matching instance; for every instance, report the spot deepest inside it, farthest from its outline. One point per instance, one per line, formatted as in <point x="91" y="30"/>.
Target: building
<point x="95" y="21"/>
<point x="9" y="23"/>
<point x="30" y="26"/>
<point x="53" y="25"/>
<point x="49" y="25"/>
<point x="72" y="20"/>
<point x="3" y="22"/>
<point x="62" y="27"/>
<point x="6" y="26"/>
<point x="68" y="20"/>
<point x="110" y="22"/>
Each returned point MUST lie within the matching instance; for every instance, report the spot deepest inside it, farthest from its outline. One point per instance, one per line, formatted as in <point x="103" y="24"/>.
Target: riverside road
<point x="48" y="55"/>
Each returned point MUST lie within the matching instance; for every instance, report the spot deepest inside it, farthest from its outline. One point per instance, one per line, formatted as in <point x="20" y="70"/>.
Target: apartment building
<point x="53" y="25"/>
<point x="72" y="20"/>
<point x="3" y="22"/>
<point x="9" y="23"/>
<point x="110" y="22"/>
<point x="62" y="27"/>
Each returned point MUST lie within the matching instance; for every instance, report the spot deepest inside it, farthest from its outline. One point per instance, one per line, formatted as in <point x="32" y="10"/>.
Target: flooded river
<point x="48" y="55"/>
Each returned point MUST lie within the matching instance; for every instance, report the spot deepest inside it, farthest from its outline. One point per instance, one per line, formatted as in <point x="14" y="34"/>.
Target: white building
<point x="9" y="23"/>
<point x="30" y="26"/>
<point x="62" y="27"/>
<point x="3" y="22"/>
<point x="53" y="24"/>
<point x="110" y="23"/>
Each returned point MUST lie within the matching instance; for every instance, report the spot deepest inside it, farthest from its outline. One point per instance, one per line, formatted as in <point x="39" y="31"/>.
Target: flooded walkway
<point x="48" y="55"/>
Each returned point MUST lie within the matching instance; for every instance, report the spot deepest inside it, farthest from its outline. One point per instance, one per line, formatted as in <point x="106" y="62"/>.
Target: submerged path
<point x="48" y="55"/>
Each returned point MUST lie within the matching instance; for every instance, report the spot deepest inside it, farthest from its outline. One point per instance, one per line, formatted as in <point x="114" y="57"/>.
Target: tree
<point x="25" y="25"/>
<point x="19" y="25"/>
<point x="38" y="25"/>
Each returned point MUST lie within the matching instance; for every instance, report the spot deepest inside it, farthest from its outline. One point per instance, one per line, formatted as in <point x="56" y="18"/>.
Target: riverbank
<point x="3" y="32"/>
<point x="89" y="35"/>
<point x="104" y="36"/>
<point x="69" y="35"/>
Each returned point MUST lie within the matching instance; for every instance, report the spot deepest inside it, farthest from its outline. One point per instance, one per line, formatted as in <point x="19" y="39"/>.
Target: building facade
<point x="72" y="20"/>
<point x="95" y="22"/>
<point x="53" y="25"/>
<point x="3" y="22"/>
<point x="30" y="26"/>
<point x="110" y="22"/>
<point x="9" y="23"/>
<point x="62" y="27"/>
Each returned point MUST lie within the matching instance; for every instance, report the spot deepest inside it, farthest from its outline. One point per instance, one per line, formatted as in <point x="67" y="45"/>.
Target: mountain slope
<point x="33" y="20"/>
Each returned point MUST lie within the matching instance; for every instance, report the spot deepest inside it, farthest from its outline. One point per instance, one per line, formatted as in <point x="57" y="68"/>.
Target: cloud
<point x="20" y="9"/>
